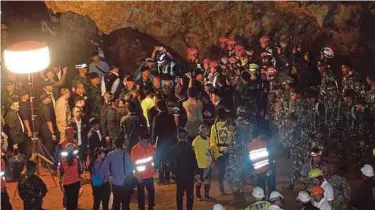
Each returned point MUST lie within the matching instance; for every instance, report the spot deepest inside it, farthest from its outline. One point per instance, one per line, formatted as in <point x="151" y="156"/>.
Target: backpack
<point x="95" y="178"/>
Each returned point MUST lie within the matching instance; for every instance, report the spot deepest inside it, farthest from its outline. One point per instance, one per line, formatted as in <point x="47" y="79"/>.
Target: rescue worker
<point x="304" y="200"/>
<point x="260" y="160"/>
<point x="260" y="202"/>
<point x="317" y="194"/>
<point x="5" y="204"/>
<point x="364" y="199"/>
<point x="81" y="77"/>
<point x="340" y="185"/>
<point x="276" y="200"/>
<point x="69" y="133"/>
<point x="220" y="138"/>
<point x="70" y="175"/>
<point x="315" y="161"/>
<point x="317" y="179"/>
<point x="142" y="155"/>
<point x="203" y="154"/>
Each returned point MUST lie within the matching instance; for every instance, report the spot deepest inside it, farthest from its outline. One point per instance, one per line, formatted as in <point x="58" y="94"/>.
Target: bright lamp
<point x="26" y="57"/>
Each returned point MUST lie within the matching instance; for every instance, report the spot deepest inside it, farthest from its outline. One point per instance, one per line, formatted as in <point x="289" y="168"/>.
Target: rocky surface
<point x="180" y="24"/>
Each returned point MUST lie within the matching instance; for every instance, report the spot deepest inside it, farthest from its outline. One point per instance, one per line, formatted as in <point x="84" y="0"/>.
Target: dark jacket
<point x="32" y="189"/>
<point x="15" y="127"/>
<point x="364" y="199"/>
<point x="88" y="103"/>
<point x="131" y="127"/>
<point x="85" y="128"/>
<point x="103" y="118"/>
<point x="94" y="141"/>
<point x="310" y="206"/>
<point x="113" y="122"/>
<point x="184" y="161"/>
<point x="163" y="125"/>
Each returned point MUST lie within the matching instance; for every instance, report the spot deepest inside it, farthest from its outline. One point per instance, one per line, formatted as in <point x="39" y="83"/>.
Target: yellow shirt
<point x="146" y="104"/>
<point x="202" y="151"/>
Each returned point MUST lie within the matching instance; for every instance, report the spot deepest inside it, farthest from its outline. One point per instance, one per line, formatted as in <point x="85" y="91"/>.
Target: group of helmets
<point x="258" y="193"/>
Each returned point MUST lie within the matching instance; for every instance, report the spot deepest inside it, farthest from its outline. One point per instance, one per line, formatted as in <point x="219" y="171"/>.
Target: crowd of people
<point x="183" y="120"/>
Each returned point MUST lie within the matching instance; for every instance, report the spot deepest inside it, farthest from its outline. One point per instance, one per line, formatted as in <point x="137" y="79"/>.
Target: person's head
<point x="359" y="104"/>
<point x="348" y="97"/>
<point x="316" y="176"/>
<point x="95" y="123"/>
<point x="80" y="88"/>
<point x="264" y="42"/>
<point x="144" y="138"/>
<point x="245" y="77"/>
<point x="121" y="103"/>
<point x="45" y="98"/>
<point x="95" y="57"/>
<point x="48" y="86"/>
<point x="132" y="106"/>
<point x="149" y="92"/>
<point x="222" y="79"/>
<point x="129" y="80"/>
<point x="30" y="167"/>
<point x="192" y="53"/>
<point x="77" y="112"/>
<point x="24" y="95"/>
<point x="191" y="93"/>
<point x="258" y="193"/>
<point x="276" y="198"/>
<point x="79" y="102"/>
<point x="218" y="207"/>
<point x="367" y="171"/>
<point x="370" y="80"/>
<point x="204" y="130"/>
<point x="317" y="193"/>
<point x="15" y="105"/>
<point x="65" y="92"/>
<point x="83" y="71"/>
<point x="94" y="78"/>
<point x="69" y="132"/>
<point x="145" y="74"/>
<point x="316" y="155"/>
<point x="296" y="95"/>
<point x="345" y="69"/>
<point x="322" y="68"/>
<point x="119" y="142"/>
<point x="199" y="76"/>
<point x="156" y="82"/>
<point x="98" y="154"/>
<point x="215" y="96"/>
<point x="115" y="67"/>
<point x="229" y="122"/>
<point x="303" y="198"/>
<point x="11" y="86"/>
<point x="116" y="103"/>
<point x="182" y="135"/>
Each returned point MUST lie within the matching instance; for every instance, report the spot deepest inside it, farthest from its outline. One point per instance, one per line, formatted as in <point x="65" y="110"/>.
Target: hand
<point x="29" y="134"/>
<point x="15" y="147"/>
<point x="65" y="70"/>
<point x="54" y="137"/>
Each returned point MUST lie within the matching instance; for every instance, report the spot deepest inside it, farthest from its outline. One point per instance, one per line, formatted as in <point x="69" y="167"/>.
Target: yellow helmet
<point x="315" y="172"/>
<point x="373" y="152"/>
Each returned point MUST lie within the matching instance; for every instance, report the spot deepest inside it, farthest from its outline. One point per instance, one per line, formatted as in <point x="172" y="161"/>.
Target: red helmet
<point x="231" y="41"/>
<point x="214" y="64"/>
<point x="192" y="51"/>
<point x="232" y="59"/>
<point x="271" y="71"/>
<point x="239" y="48"/>
<point x="223" y="40"/>
<point x="206" y="61"/>
<point x="264" y="39"/>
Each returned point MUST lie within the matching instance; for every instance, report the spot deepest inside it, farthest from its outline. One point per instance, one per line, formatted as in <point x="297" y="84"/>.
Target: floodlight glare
<point x="26" y="57"/>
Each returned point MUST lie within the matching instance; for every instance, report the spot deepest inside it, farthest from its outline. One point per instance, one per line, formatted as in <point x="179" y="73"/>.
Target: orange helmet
<point x="223" y="40"/>
<point x="264" y="39"/>
<point x="231" y="41"/>
<point x="317" y="190"/>
<point x="206" y="61"/>
<point x="239" y="47"/>
<point x="214" y="64"/>
<point x="192" y="51"/>
<point x="232" y="59"/>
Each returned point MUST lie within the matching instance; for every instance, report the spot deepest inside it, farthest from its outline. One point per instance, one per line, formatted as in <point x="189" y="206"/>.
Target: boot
<point x="207" y="192"/>
<point x="198" y="192"/>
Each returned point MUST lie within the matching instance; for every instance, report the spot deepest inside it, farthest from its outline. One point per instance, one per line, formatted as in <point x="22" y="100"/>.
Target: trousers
<point x="71" y="192"/>
<point x="222" y="165"/>
<point x="149" y="185"/>
<point x="101" y="195"/>
<point x="182" y="187"/>
<point x="121" y="197"/>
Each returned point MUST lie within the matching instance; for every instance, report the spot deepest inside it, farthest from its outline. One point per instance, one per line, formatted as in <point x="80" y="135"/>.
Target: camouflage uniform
<point x="352" y="83"/>
<point x="96" y="98"/>
<point x="334" y="118"/>
<point x="80" y="80"/>
<point x="341" y="190"/>
<point x="247" y="109"/>
<point x="32" y="190"/>
<point x="362" y="143"/>
<point x="6" y="100"/>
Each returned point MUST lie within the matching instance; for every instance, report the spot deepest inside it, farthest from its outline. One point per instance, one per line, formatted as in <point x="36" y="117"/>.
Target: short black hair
<point x="221" y="79"/>
<point x="245" y="75"/>
<point x="30" y="165"/>
<point x="94" y="121"/>
<point x="182" y="133"/>
<point x="119" y="142"/>
<point x="93" y="75"/>
<point x="132" y="106"/>
<point x="148" y="91"/>
<point x="161" y="105"/>
<point x="144" y="135"/>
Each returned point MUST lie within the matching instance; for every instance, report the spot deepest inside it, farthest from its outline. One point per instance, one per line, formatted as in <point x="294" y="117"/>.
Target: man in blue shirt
<point x="121" y="171"/>
<point x="98" y="66"/>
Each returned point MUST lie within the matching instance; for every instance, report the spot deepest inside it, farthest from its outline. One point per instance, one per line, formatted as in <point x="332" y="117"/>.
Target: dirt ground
<point x="165" y="195"/>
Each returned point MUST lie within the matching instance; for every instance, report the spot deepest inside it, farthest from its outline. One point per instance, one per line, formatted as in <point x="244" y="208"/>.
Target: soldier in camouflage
<point x="81" y="77"/>
<point x="8" y="95"/>
<point x="340" y="185"/>
<point x="94" y="91"/>
<point x="351" y="82"/>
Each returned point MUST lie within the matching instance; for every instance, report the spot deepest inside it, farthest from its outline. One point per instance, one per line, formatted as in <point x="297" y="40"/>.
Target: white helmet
<point x="275" y="196"/>
<point x="303" y="197"/>
<point x="367" y="170"/>
<point x="218" y="207"/>
<point x="328" y="52"/>
<point x="258" y="193"/>
<point x="274" y="207"/>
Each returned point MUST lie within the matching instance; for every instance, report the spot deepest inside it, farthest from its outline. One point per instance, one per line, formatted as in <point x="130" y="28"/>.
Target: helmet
<point x="317" y="190"/>
<point x="367" y="170"/>
<point x="315" y="172"/>
<point x="254" y="66"/>
<point x="69" y="147"/>
<point x="192" y="51"/>
<point x="328" y="53"/>
<point x="373" y="152"/>
<point x="315" y="152"/>
<point x="161" y="58"/>
<point x="218" y="207"/>
<point x="223" y="40"/>
<point x="265" y="54"/>
<point x="232" y="59"/>
<point x="264" y="39"/>
<point x="303" y="197"/>
<point x="274" y="196"/>
<point x="258" y="193"/>
<point x="287" y="80"/>
<point x="271" y="71"/>
<point x="213" y="64"/>
<point x="81" y="65"/>
<point x="231" y="41"/>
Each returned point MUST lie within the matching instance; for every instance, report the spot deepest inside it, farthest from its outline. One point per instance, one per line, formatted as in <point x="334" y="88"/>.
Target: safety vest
<point x="71" y="174"/>
<point x="143" y="159"/>
<point x="259" y="205"/>
<point x="258" y="155"/>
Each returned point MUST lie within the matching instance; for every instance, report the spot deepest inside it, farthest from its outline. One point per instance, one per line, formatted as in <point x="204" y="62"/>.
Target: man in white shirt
<point x="111" y="81"/>
<point x="317" y="193"/>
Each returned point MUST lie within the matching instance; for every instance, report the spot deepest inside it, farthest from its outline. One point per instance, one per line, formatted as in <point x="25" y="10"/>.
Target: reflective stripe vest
<point x="259" y="205"/>
<point x="258" y="155"/>
<point x="143" y="159"/>
<point x="71" y="173"/>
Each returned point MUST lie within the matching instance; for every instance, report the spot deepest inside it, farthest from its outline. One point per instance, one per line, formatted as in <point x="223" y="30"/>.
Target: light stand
<point x="27" y="58"/>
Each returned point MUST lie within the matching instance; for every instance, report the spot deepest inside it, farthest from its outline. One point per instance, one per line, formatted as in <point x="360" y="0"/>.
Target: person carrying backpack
<point x="99" y="174"/>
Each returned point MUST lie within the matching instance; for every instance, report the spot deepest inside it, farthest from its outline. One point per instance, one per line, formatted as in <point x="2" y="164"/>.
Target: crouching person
<point x="260" y="202"/>
<point x="142" y="155"/>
